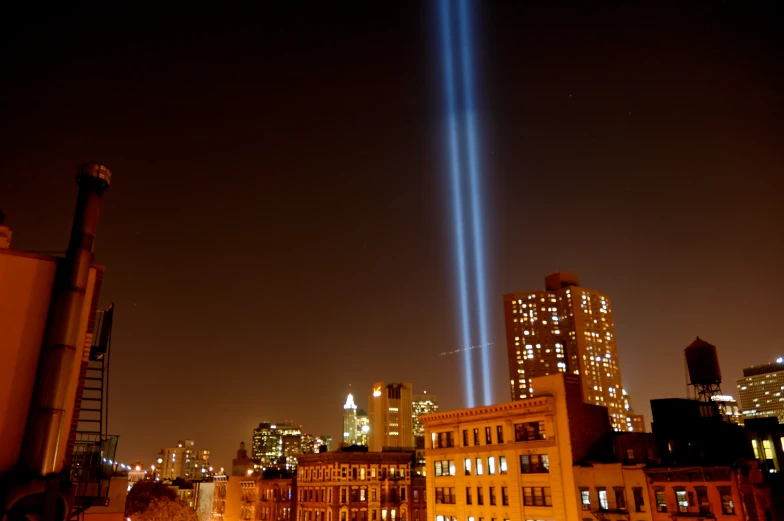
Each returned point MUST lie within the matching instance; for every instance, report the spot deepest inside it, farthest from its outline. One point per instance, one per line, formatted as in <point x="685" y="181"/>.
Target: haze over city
<point x="279" y="224"/>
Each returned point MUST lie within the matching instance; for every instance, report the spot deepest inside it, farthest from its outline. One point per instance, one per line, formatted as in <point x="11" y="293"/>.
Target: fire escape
<point x="91" y="448"/>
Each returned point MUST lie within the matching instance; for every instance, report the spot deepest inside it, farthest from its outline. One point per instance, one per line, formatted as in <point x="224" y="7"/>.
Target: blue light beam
<point x="475" y="205"/>
<point x="457" y="195"/>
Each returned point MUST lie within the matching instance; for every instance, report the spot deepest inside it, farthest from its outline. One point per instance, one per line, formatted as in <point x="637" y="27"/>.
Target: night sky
<point x="279" y="224"/>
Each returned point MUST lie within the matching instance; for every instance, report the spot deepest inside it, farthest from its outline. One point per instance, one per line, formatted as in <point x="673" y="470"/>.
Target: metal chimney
<point x="42" y="453"/>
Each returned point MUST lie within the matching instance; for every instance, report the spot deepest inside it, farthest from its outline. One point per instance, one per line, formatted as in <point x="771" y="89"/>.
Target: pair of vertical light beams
<point x="464" y="170"/>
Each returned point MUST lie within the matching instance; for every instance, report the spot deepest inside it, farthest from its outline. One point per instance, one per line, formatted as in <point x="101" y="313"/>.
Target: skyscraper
<point x="183" y="461"/>
<point x="568" y="329"/>
<point x="390" y="415"/>
<point x="422" y="404"/>
<point x="760" y="390"/>
<point x="350" y="421"/>
<point x="277" y="445"/>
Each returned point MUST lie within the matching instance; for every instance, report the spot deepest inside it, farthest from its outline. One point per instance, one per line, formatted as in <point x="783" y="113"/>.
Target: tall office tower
<point x="277" y="445"/>
<point x="565" y="329"/>
<point x="363" y="427"/>
<point x="760" y="391"/>
<point x="350" y="421"/>
<point x="183" y="461"/>
<point x="422" y="404"/>
<point x="390" y="417"/>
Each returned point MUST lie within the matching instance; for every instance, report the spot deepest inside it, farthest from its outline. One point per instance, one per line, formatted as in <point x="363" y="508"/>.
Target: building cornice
<point x="531" y="405"/>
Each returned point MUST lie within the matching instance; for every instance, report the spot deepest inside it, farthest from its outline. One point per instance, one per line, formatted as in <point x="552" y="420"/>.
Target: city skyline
<point x="278" y="226"/>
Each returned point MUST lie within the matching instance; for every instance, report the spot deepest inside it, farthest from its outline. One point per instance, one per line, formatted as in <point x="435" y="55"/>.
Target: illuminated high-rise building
<point x="566" y="328"/>
<point x="422" y="404"/>
<point x="183" y="461"/>
<point x="761" y="391"/>
<point x="363" y="427"/>
<point x="391" y="418"/>
<point x="350" y="421"/>
<point x="277" y="445"/>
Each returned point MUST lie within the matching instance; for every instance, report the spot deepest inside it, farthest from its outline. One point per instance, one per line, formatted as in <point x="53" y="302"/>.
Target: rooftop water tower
<point x="702" y="362"/>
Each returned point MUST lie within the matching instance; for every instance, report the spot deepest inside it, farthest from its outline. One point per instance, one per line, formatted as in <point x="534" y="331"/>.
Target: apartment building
<point x="512" y="461"/>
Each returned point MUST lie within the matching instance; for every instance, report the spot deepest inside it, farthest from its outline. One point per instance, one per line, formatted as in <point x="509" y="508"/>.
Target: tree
<point x="143" y="493"/>
<point x="164" y="509"/>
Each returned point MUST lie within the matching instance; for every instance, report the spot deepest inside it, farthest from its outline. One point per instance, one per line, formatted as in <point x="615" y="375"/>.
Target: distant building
<point x="356" y="485"/>
<point x="277" y="445"/>
<point x="638" y="423"/>
<point x="242" y="465"/>
<point x="184" y="461"/>
<point x="760" y="391"/>
<point x="729" y="407"/>
<point x="391" y="417"/>
<point x="566" y="328"/>
<point x="136" y="473"/>
<point x="422" y="404"/>
<point x="350" y="421"/>
<point x="363" y="428"/>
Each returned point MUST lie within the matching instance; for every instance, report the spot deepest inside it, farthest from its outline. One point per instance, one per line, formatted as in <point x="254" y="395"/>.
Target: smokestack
<point x="42" y="453"/>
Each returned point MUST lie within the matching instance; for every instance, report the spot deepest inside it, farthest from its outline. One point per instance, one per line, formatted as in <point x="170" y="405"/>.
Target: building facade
<point x="276" y="498"/>
<point x="512" y="461"/>
<point x="350" y="421"/>
<point x="422" y="404"/>
<point x="566" y="329"/>
<point x="708" y="492"/>
<point x="612" y="491"/>
<point x="760" y="391"/>
<point x="184" y="461"/>
<point x="391" y="417"/>
<point x="358" y="486"/>
<point x="277" y="445"/>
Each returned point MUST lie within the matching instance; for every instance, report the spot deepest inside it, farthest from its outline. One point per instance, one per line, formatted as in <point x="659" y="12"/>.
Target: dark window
<point x="702" y="499"/>
<point x="480" y="497"/>
<point x="534" y="464"/>
<point x="492" y="496"/>
<point x="465" y="437"/>
<point x="499" y="433"/>
<point x="444" y="440"/>
<point x="639" y="501"/>
<point x="488" y="436"/>
<point x="476" y="436"/>
<point x="468" y="496"/>
<point x="402" y="493"/>
<point x="620" y="498"/>
<point x="342" y="495"/>
<point x="445" y="495"/>
<point x="354" y="495"/>
<point x="727" y="505"/>
<point x="537" y="496"/>
<point x="505" y="496"/>
<point x="529" y="431"/>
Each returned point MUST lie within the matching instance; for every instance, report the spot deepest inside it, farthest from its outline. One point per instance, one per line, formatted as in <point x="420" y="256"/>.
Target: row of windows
<point x="446" y="495"/>
<point x="355" y="494"/>
<point x="354" y="515"/>
<point x="528" y="431"/>
<point x="354" y="472"/>
<point x="695" y="501"/>
<point x="620" y="499"/>
<point x="529" y="464"/>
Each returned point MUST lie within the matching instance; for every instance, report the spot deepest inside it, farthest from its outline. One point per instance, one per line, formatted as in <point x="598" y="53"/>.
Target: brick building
<point x="358" y="486"/>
